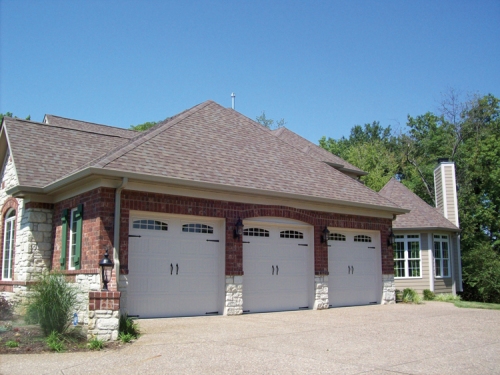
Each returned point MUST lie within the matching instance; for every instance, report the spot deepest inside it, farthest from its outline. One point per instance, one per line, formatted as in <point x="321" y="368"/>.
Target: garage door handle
<point x="134" y="235"/>
<point x="273" y="270"/>
<point x="213" y="240"/>
<point x="171" y="268"/>
<point x="303" y="244"/>
<point x="352" y="267"/>
<point x="277" y="270"/>
<point x="177" y="269"/>
<point x="349" y="270"/>
<point x="371" y="247"/>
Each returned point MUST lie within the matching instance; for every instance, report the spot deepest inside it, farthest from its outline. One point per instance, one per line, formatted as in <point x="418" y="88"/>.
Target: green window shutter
<point x="64" y="238"/>
<point x="78" y="247"/>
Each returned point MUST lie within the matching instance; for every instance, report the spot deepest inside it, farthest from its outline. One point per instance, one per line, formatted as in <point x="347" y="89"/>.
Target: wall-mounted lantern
<point x="106" y="266"/>
<point x="238" y="229"/>
<point x="324" y="235"/>
<point x="390" y="239"/>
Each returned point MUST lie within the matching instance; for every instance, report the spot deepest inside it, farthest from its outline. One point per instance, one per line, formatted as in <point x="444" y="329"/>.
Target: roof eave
<point x="427" y="229"/>
<point x="60" y="184"/>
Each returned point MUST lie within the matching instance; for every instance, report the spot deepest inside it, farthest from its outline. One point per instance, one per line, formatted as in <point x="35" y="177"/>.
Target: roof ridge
<point x="103" y="160"/>
<point x="88" y="122"/>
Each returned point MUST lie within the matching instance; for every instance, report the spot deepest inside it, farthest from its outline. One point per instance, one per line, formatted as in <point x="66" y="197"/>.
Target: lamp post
<point x="106" y="266"/>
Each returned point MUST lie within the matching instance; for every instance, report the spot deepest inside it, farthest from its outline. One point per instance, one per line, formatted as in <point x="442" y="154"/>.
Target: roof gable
<point x="422" y="215"/>
<point x="44" y="153"/>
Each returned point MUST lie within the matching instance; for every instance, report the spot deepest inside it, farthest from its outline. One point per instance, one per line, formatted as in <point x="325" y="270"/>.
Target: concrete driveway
<point x="433" y="338"/>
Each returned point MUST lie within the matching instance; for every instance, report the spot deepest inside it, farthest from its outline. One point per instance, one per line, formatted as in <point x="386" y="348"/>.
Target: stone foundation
<point x="104" y="315"/>
<point x="389" y="289"/>
<point x="234" y="295"/>
<point x="321" y="292"/>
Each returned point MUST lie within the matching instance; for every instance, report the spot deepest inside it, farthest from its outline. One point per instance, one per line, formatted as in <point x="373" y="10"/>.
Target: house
<point x="427" y="239"/>
<point x="208" y="212"/>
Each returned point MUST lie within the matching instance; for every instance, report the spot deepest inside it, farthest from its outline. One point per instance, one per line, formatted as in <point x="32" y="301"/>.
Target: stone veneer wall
<point x="234" y="295"/>
<point x="104" y="315"/>
<point x="321" y="301"/>
<point x="389" y="289"/>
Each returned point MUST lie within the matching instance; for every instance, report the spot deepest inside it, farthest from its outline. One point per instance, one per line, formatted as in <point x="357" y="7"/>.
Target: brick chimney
<point x="445" y="187"/>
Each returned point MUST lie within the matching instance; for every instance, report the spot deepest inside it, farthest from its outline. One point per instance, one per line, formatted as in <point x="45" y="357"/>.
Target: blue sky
<point x="323" y="66"/>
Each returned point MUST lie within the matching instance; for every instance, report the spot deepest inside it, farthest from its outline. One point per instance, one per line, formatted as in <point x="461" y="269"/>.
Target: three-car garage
<point x="176" y="265"/>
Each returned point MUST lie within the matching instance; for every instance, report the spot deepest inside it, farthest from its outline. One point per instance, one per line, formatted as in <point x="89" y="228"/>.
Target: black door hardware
<point x="134" y="235"/>
<point x="171" y="268"/>
<point x="212" y="240"/>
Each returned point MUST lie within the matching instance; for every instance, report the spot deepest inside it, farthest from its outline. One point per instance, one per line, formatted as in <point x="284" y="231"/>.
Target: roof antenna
<point x="233" y="96"/>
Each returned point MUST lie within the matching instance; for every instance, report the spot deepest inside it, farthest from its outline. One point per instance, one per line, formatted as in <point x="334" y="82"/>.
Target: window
<point x="8" y="244"/>
<point x="441" y="256"/>
<point x="256" y="232"/>
<point x="197" y="228"/>
<point x="407" y="255"/>
<point x="291" y="234"/>
<point x="362" y="238"/>
<point x="75" y="238"/>
<point x="336" y="237"/>
<point x="150" y="224"/>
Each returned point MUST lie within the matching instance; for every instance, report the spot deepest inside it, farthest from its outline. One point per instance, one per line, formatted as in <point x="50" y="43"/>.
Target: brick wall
<point x="231" y="211"/>
<point x="97" y="230"/>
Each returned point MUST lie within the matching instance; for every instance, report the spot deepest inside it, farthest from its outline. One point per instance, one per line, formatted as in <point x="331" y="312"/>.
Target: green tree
<point x="9" y="114"/>
<point x="269" y="123"/>
<point x="143" y="127"/>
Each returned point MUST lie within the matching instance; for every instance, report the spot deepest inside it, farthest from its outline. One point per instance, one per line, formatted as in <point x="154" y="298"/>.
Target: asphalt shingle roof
<point x="313" y="150"/>
<point x="207" y="143"/>
<point x="43" y="153"/>
<point x="422" y="215"/>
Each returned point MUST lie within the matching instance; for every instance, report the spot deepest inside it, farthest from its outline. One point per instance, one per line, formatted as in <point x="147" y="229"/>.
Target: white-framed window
<point x="8" y="244"/>
<point x="256" y="232"/>
<point x="291" y="234"/>
<point x="336" y="237"/>
<point x="150" y="224"/>
<point x="73" y="232"/>
<point x="362" y="238"/>
<point x="441" y="255"/>
<point x="197" y="228"/>
<point x="407" y="257"/>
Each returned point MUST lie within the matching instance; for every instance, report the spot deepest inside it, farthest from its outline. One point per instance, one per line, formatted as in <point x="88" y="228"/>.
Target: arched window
<point x="8" y="244"/>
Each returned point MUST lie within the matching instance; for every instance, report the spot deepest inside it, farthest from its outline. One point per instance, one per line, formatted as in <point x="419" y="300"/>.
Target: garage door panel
<point x="354" y="269"/>
<point x="173" y="272"/>
<point x="277" y="270"/>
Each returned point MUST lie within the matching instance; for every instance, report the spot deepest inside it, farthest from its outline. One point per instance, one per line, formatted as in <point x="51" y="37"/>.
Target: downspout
<point x="459" y="255"/>
<point x="116" y="231"/>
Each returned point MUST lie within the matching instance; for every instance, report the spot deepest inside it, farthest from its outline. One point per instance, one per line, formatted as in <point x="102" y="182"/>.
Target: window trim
<point x="441" y="259"/>
<point x="403" y="238"/>
<point x="11" y="219"/>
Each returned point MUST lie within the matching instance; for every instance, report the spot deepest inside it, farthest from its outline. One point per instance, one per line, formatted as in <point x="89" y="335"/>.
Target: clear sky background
<point x="323" y="66"/>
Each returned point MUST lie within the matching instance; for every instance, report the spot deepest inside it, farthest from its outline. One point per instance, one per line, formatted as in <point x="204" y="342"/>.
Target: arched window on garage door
<point x="336" y="237"/>
<point x="256" y="232"/>
<point x="197" y="228"/>
<point x="150" y="224"/>
<point x="362" y="238"/>
<point x="291" y="234"/>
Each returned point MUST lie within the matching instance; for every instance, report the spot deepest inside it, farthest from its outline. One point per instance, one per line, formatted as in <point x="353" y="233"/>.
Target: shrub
<point x="55" y="342"/>
<point x="411" y="296"/>
<point x="6" y="308"/>
<point x="128" y="326"/>
<point x="95" y="344"/>
<point x="51" y="303"/>
<point x="11" y="344"/>
<point x="447" y="297"/>
<point x="429" y="295"/>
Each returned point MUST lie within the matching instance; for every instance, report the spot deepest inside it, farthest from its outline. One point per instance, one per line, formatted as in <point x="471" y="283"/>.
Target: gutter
<point x="116" y="230"/>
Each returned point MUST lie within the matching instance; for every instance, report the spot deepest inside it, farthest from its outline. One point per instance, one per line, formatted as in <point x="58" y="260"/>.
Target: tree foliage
<point x="466" y="132"/>
<point x="10" y="114"/>
<point x="143" y="127"/>
<point x="269" y="123"/>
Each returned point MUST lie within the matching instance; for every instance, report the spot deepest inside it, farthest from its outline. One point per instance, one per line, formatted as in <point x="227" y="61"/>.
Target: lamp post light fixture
<point x="390" y="239"/>
<point x="238" y="229"/>
<point x="324" y="236"/>
<point x="106" y="266"/>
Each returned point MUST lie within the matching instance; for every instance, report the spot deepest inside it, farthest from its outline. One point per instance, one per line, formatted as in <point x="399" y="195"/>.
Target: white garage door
<point x="354" y="265"/>
<point x="278" y="269"/>
<point x="175" y="266"/>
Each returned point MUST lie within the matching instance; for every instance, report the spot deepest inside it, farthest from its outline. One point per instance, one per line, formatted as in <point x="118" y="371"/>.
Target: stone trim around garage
<point x="389" y="289"/>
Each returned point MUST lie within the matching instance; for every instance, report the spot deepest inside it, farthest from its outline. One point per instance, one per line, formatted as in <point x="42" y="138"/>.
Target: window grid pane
<point x="256" y="232"/>
<point x="291" y="234"/>
<point x="197" y="228"/>
<point x="362" y="238"/>
<point x="336" y="237"/>
<point x="150" y="224"/>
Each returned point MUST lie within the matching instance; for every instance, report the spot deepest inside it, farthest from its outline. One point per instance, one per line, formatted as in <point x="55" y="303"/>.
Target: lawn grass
<point x="476" y="305"/>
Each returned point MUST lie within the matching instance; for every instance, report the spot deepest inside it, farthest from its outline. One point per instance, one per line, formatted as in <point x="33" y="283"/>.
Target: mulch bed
<point x="31" y="340"/>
